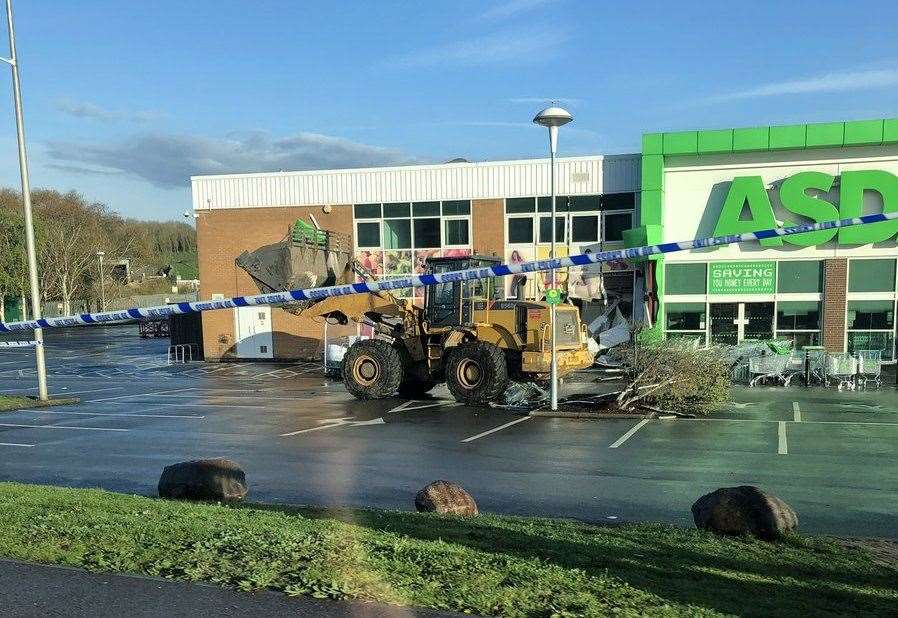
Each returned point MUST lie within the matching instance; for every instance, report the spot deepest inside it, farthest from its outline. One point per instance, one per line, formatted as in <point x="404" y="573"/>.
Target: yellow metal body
<point x="524" y="327"/>
<point x="520" y="327"/>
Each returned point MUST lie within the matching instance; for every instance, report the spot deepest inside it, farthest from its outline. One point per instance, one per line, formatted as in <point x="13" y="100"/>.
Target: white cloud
<point x="168" y="160"/>
<point x="845" y="81"/>
<point x="86" y="109"/>
<point x="513" y="8"/>
<point x="520" y="46"/>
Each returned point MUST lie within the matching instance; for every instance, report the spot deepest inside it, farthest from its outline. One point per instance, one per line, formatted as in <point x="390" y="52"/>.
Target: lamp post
<point x="552" y="118"/>
<point x="100" y="255"/>
<point x="26" y="202"/>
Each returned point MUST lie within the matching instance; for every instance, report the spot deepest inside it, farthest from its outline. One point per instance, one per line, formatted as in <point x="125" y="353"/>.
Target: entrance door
<point x="757" y="321"/>
<point x="252" y="326"/>
<point x="734" y="322"/>
<point x="725" y="323"/>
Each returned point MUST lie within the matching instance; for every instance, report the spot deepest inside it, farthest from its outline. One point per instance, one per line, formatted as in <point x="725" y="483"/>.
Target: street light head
<point x="553" y="117"/>
<point x="101" y="253"/>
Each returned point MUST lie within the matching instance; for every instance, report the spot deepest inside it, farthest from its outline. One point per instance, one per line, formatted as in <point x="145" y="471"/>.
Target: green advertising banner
<point x="742" y="277"/>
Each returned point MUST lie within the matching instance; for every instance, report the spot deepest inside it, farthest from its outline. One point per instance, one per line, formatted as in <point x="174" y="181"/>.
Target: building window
<point x="799" y="277"/>
<point x="517" y="205"/>
<point x="618" y="201"/>
<point x="585" y="228"/>
<point x="392" y="211"/>
<point x="426" y="209"/>
<point x="397" y="234"/>
<point x="456" y="208"/>
<point x="588" y="218"/>
<point x="582" y="221"/>
<point x="427" y="233"/>
<point x="520" y="230"/>
<point x="615" y="223"/>
<point x="686" y="320"/>
<point x="397" y="238"/>
<point x="545" y="229"/>
<point x="367" y="211"/>
<point x="798" y="321"/>
<point x="456" y="232"/>
<point x="367" y="234"/>
<point x="871" y="326"/>
<point x="685" y="278"/>
<point x="871" y="275"/>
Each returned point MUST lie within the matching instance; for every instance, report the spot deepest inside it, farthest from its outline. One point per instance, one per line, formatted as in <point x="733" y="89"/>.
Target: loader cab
<point x="451" y="303"/>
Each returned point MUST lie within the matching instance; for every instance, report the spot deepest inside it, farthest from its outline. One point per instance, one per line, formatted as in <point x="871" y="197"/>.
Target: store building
<point x="397" y="217"/>
<point x="835" y="288"/>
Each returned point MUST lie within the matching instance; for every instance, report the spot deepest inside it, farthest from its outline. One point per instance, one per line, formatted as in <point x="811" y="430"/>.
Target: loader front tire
<point x="476" y="373"/>
<point x="372" y="369"/>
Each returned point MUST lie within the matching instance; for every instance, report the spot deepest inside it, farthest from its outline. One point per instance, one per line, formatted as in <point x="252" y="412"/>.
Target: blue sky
<point x="124" y="101"/>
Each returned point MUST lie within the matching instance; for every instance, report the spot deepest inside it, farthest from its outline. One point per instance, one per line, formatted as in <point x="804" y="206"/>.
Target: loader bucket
<point x="306" y="258"/>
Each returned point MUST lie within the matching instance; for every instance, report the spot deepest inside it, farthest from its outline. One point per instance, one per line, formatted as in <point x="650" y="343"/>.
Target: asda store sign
<point x="797" y="196"/>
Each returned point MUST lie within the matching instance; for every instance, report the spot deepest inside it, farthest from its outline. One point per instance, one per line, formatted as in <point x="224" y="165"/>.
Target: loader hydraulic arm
<point x="380" y="308"/>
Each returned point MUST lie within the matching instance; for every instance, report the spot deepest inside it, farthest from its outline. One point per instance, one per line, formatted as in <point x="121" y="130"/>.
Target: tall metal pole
<point x="553" y="391"/>
<point x="26" y="199"/>
<point x="100" y="255"/>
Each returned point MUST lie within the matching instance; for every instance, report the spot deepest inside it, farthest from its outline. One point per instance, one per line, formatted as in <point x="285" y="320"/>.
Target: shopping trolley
<point x="771" y="366"/>
<point x="841" y="370"/>
<point x="869" y="367"/>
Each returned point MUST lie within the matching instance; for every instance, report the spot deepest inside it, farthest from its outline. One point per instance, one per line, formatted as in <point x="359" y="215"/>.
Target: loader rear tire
<point x="476" y="372"/>
<point x="372" y="369"/>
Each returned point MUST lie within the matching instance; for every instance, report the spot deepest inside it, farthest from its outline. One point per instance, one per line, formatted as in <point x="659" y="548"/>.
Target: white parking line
<point x="116" y="414"/>
<point x="796" y="412"/>
<point x="319" y="428"/>
<point x="95" y="390"/>
<point x="409" y="405"/>
<point x="499" y="428"/>
<point x="61" y="427"/>
<point x="16" y="444"/>
<point x="630" y="433"/>
<point x="783" y="448"/>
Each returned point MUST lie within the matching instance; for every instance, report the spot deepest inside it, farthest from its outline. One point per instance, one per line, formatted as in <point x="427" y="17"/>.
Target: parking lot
<point x="302" y="439"/>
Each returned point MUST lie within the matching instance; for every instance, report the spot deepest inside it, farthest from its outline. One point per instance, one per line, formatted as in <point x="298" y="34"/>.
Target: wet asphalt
<point x="302" y="439"/>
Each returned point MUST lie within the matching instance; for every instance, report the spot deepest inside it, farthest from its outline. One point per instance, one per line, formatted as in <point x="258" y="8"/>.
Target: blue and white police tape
<point x="18" y="344"/>
<point x="500" y="270"/>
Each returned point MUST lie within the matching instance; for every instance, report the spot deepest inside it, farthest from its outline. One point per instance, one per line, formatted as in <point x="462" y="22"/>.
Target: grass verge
<point x="489" y="565"/>
<point x="10" y="402"/>
<point x="16" y="402"/>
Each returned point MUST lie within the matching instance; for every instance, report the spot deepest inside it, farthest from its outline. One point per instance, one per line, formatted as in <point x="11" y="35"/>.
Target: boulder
<point x="445" y="498"/>
<point x="204" y="479"/>
<point x="744" y="510"/>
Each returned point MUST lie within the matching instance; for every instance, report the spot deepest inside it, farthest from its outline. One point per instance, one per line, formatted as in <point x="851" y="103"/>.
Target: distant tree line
<point x="69" y="231"/>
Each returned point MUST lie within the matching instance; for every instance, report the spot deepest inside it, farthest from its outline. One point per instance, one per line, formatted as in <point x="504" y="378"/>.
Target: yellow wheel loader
<point x="464" y="336"/>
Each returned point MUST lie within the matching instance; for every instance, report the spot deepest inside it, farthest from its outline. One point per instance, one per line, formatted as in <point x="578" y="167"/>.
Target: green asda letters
<point x="750" y="191"/>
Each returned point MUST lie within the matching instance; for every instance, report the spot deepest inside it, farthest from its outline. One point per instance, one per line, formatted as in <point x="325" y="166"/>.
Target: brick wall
<point x="835" y="289"/>
<point x="224" y="234"/>
<point x="488" y="223"/>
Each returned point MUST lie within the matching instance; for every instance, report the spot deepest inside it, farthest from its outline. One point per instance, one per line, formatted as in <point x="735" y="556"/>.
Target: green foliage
<point x="13" y="265"/>
<point x="70" y="231"/>
<point x="486" y="565"/>
<point x="674" y="375"/>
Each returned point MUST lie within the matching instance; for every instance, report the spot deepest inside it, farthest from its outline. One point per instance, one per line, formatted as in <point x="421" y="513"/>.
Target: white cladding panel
<point x="695" y="189"/>
<point x="499" y="179"/>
